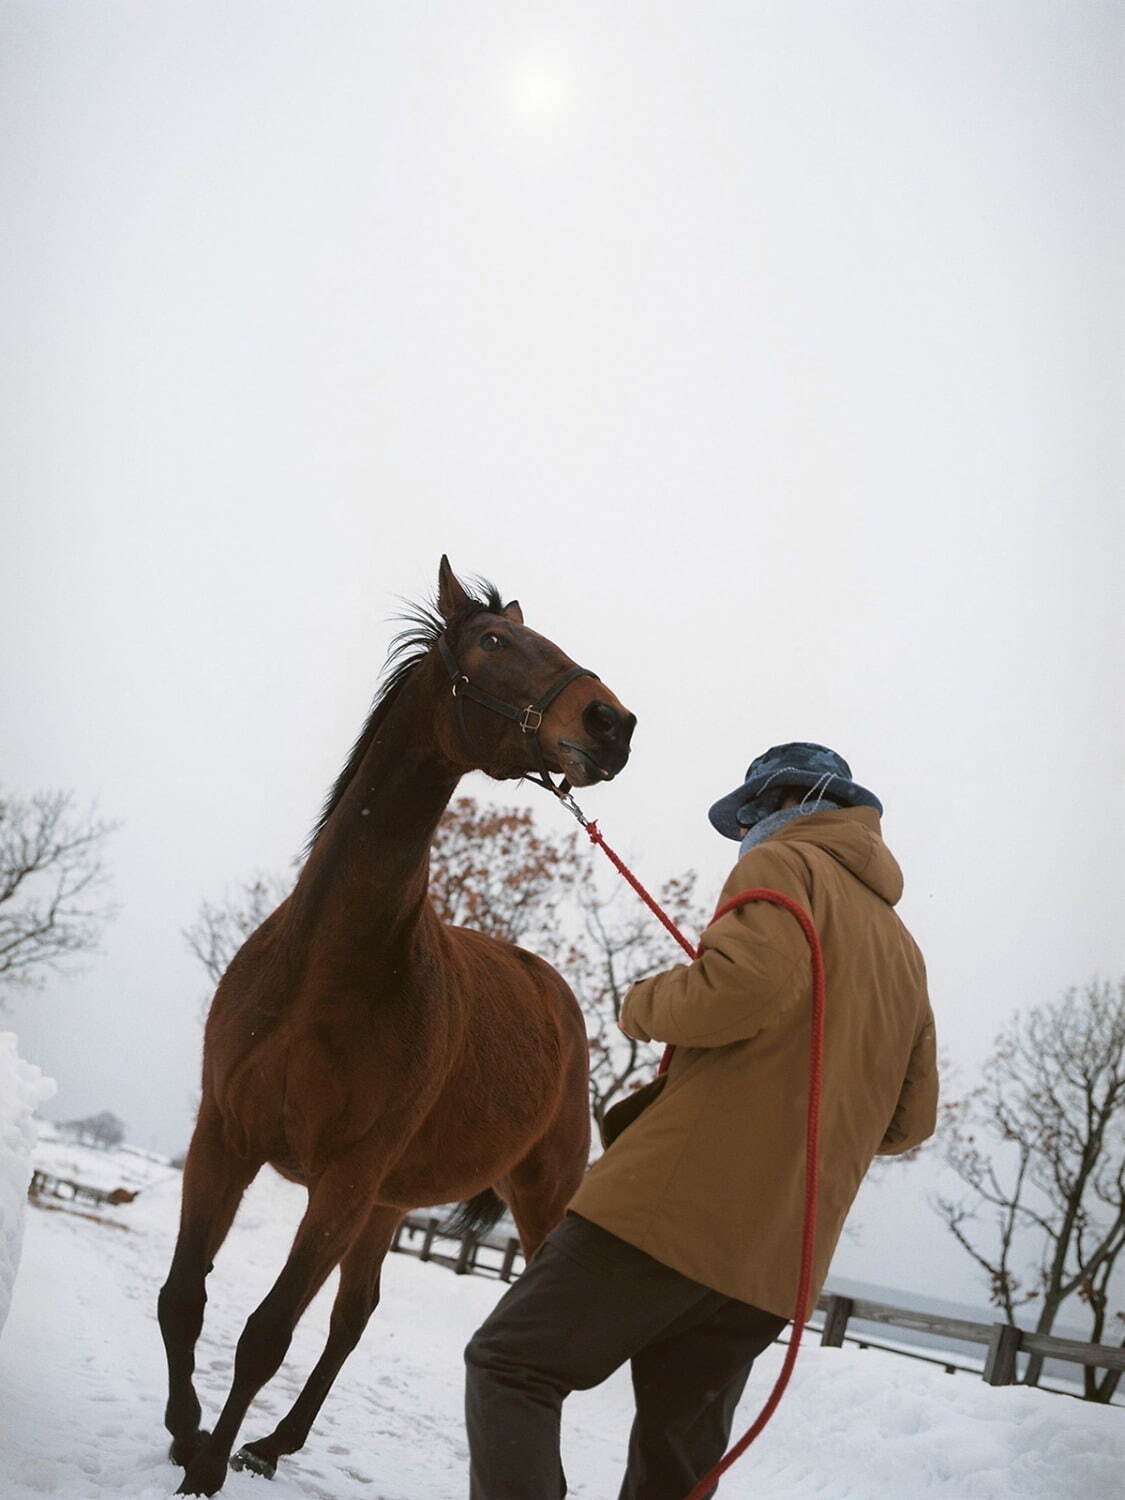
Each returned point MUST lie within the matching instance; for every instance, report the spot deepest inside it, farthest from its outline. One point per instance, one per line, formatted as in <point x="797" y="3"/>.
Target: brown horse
<point x="362" y="1047"/>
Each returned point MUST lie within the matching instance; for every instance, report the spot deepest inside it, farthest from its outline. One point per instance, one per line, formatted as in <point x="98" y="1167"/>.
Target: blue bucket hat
<point x="785" y="766"/>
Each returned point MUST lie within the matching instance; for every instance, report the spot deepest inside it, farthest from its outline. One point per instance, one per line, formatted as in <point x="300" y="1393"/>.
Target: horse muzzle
<point x="604" y="749"/>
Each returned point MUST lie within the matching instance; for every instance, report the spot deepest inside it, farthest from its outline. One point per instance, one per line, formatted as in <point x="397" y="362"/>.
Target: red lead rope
<point x="812" y="1125"/>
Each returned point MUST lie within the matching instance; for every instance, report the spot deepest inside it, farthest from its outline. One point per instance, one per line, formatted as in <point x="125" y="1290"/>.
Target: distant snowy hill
<point x="82" y="1383"/>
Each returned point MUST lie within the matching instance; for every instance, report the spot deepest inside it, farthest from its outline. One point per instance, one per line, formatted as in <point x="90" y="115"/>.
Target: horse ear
<point x="513" y="612"/>
<point x="451" y="596"/>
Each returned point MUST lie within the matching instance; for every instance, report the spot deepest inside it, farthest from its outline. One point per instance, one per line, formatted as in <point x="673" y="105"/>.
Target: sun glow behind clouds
<point x="539" y="88"/>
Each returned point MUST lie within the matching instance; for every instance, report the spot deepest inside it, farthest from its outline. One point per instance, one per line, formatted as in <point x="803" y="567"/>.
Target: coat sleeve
<point x="915" y="1116"/>
<point x="753" y="967"/>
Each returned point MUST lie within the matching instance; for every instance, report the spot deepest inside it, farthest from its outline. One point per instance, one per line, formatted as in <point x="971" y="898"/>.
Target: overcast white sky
<point x="769" y="353"/>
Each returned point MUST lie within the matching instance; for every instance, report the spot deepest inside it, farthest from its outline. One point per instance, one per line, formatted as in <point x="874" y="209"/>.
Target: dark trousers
<point x="588" y="1302"/>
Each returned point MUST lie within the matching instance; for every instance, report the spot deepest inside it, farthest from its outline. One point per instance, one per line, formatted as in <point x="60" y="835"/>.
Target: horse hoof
<point x="204" y="1477"/>
<point x="246" y="1458"/>
<point x="198" y="1487"/>
<point x="184" y="1449"/>
<point x="205" y="1485"/>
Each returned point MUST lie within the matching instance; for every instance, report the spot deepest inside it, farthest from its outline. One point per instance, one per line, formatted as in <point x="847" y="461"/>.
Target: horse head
<point x="518" y="704"/>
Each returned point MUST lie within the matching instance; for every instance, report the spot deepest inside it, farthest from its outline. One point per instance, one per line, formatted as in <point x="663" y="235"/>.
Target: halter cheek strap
<point x="529" y="719"/>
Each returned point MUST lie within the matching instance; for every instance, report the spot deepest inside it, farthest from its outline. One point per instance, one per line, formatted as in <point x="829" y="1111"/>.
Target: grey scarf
<point x="768" y="826"/>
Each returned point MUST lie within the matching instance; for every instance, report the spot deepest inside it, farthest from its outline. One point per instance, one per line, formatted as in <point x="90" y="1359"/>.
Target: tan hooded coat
<point x="710" y="1178"/>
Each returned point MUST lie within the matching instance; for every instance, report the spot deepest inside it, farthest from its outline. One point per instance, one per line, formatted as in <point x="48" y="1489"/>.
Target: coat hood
<point x="852" y="837"/>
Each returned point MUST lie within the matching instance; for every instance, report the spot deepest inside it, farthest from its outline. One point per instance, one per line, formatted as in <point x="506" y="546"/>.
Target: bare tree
<point x="1041" y="1146"/>
<point x="492" y="869"/>
<point x="51" y="883"/>
<point x="103" y="1129"/>
<point x="222" y="927"/>
<point x="106" y="1129"/>
<point x="622" y="943"/>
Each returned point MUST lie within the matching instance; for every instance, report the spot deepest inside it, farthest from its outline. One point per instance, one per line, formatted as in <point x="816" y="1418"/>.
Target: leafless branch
<point x="222" y="927"/>
<point x="1042" y="1142"/>
<point x="51" y="881"/>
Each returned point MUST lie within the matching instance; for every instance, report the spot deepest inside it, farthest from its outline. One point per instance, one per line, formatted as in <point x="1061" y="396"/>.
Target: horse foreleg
<point x="356" y="1300"/>
<point x="333" y="1218"/>
<point x="214" y="1182"/>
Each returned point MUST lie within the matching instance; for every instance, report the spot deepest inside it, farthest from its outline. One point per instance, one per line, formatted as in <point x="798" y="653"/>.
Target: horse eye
<point x="492" y="641"/>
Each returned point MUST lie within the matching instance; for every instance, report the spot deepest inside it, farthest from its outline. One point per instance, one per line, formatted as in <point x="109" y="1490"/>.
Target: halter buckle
<point x="531" y="720"/>
<point x="458" y="684"/>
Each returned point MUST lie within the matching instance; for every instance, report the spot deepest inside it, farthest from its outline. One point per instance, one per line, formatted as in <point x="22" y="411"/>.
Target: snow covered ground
<point x="82" y="1383"/>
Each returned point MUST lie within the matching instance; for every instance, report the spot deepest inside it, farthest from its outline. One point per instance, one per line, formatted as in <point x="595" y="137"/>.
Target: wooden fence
<point x="44" y="1185"/>
<point x="466" y="1260"/>
<point x="1001" y="1341"/>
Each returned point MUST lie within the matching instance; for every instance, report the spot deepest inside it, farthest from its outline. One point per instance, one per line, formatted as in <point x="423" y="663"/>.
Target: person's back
<point x="709" y="1179"/>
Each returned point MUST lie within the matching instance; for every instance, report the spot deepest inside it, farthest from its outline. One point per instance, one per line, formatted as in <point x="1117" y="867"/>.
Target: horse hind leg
<point x="539" y="1186"/>
<point x="214" y="1182"/>
<point x="356" y="1299"/>
<point x="334" y="1217"/>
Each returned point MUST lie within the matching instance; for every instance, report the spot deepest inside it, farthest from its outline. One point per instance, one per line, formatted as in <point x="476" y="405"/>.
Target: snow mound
<point x="22" y="1089"/>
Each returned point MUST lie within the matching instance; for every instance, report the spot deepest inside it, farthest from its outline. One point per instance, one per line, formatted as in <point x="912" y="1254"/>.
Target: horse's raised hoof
<point x="184" y="1449"/>
<point x="246" y="1458"/>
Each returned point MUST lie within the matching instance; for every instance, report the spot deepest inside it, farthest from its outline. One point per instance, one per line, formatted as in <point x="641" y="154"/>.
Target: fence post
<point x="428" y="1238"/>
<point x="1003" y="1346"/>
<point x="836" y="1316"/>
<point x="511" y="1250"/>
<point x="466" y="1256"/>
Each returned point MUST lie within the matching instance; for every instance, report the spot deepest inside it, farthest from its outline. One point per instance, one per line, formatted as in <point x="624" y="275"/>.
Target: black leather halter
<point x="530" y="719"/>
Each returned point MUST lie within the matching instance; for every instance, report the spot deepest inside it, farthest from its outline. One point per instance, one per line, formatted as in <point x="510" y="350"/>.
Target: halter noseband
<point x="529" y="719"/>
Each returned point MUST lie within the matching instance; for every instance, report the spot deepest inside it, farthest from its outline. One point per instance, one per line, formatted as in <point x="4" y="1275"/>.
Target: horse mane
<point x="424" y="625"/>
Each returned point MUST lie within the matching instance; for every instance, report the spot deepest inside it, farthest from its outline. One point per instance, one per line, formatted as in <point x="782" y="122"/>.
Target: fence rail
<point x="1002" y="1342"/>
<point x="46" y="1185"/>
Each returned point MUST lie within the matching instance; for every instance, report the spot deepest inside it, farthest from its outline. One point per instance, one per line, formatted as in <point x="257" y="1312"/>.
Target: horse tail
<point x="476" y="1216"/>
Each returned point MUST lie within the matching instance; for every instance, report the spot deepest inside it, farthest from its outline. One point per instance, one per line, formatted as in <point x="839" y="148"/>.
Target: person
<point x="680" y="1251"/>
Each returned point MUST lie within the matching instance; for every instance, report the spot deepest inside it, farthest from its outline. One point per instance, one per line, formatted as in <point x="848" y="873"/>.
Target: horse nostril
<point x="602" y="721"/>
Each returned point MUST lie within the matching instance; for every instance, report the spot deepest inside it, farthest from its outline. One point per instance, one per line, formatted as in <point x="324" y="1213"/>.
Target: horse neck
<point x="367" y="875"/>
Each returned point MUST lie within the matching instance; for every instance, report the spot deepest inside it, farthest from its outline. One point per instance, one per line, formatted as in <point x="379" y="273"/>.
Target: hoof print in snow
<point x="247" y="1459"/>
